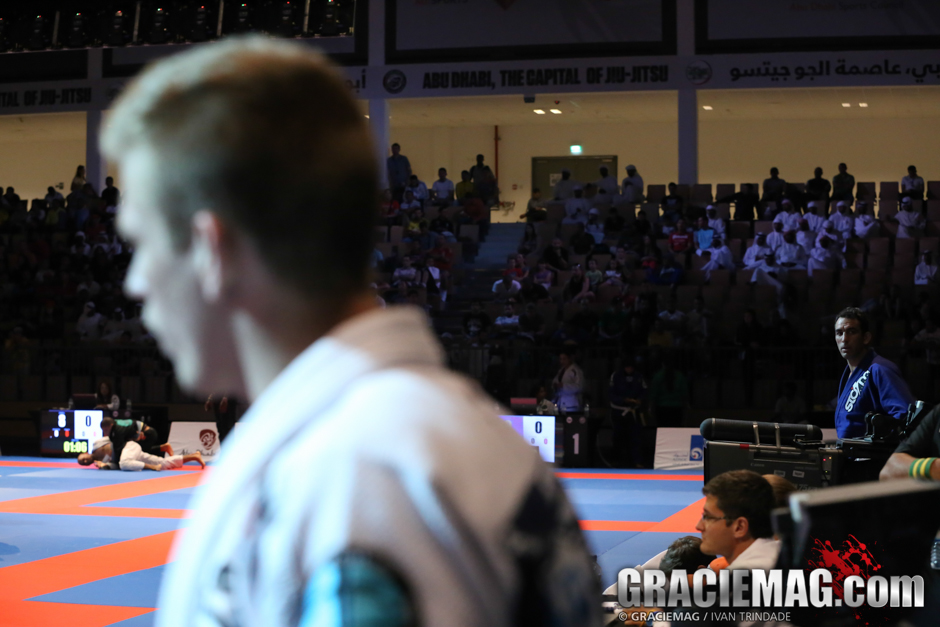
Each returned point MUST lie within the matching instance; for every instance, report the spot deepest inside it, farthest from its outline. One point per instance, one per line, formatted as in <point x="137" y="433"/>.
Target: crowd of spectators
<point x="62" y="267"/>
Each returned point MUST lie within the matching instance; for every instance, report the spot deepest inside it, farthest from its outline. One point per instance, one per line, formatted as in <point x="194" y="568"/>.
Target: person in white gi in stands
<point x="632" y="186"/>
<point x="815" y="215"/>
<point x="843" y="221"/>
<point x="251" y="189"/>
<point x="805" y="237"/>
<point x="790" y="215"/>
<point x="926" y="271"/>
<point x="866" y="226"/>
<point x="576" y="208"/>
<point x="715" y="223"/>
<point x="775" y="238"/>
<point x="830" y="232"/>
<point x="790" y="254"/>
<point x="568" y="383"/>
<point x="911" y="223"/>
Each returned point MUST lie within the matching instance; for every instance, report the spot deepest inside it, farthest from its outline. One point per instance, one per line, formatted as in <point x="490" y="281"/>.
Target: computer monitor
<point x="84" y="401"/>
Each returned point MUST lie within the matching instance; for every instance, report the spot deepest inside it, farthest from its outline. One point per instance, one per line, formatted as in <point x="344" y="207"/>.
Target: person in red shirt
<point x="513" y="269"/>
<point x="473" y="208"/>
<point x="680" y="240"/>
<point x="443" y="254"/>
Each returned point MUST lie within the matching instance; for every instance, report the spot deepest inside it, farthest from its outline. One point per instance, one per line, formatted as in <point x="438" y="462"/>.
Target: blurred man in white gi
<point x="367" y="484"/>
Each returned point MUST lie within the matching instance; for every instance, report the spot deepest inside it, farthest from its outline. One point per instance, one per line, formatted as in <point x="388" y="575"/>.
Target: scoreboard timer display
<point x="68" y="432"/>
<point x="538" y="431"/>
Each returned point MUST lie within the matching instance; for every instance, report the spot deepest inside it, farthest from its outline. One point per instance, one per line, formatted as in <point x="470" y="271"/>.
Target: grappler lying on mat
<point x="127" y="439"/>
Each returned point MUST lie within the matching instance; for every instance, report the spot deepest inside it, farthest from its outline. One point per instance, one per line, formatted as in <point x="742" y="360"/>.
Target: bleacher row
<point x="888" y="191"/>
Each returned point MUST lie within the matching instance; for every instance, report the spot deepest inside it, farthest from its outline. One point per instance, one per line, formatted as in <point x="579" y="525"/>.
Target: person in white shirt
<point x="443" y="189"/>
<point x="720" y="257"/>
<point x="594" y="226"/>
<point x="829" y="231"/>
<point x="910" y="223"/>
<point x="607" y="187"/>
<point x="509" y="321"/>
<point x="912" y="185"/>
<point x="790" y="215"/>
<point x="756" y="251"/>
<point x="409" y="203"/>
<point x="805" y="237"/>
<point x="52" y="196"/>
<point x="715" y="223"/>
<point x="506" y="288"/>
<point x="843" y="221"/>
<point x="926" y="271"/>
<point x="790" y="254"/>
<point x="568" y="383"/>
<point x="261" y="310"/>
<point x="769" y="272"/>
<point x="576" y="207"/>
<point x="418" y="188"/>
<point x="825" y="256"/>
<point x="89" y="323"/>
<point x="564" y="189"/>
<point x="776" y="236"/>
<point x="866" y="226"/>
<point x="673" y="319"/>
<point x="632" y="186"/>
<point x="815" y="215"/>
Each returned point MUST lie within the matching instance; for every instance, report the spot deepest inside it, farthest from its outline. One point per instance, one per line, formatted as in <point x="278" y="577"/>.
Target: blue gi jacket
<point x="876" y="385"/>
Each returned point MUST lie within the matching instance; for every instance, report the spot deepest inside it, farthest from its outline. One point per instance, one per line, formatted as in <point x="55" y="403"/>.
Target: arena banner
<point x="189" y="437"/>
<point x="423" y="30"/>
<point x="748" y="26"/>
<point x="679" y="449"/>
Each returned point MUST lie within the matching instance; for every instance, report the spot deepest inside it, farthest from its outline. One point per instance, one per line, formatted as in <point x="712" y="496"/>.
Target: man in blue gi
<point x="870" y="382"/>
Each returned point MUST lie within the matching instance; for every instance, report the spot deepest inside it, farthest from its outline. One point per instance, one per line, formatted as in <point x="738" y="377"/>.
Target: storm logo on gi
<point x="696" y="448"/>
<point x="857" y="388"/>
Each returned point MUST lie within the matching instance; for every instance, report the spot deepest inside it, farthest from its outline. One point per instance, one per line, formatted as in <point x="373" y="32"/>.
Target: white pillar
<point x="688" y="137"/>
<point x="378" y="120"/>
<point x="96" y="167"/>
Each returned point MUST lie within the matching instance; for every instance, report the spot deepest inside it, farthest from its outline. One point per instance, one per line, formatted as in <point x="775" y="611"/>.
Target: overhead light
<point x="846" y="104"/>
<point x="863" y="104"/>
<point x="539" y="111"/>
<point x="707" y="107"/>
<point x="556" y="111"/>
<point x="575" y="149"/>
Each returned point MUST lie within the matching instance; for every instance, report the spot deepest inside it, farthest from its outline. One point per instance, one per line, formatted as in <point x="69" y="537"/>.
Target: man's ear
<point x="740" y="527"/>
<point x="211" y="250"/>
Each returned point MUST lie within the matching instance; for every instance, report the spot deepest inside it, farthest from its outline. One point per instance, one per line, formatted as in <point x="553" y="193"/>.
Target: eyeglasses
<point x="708" y="517"/>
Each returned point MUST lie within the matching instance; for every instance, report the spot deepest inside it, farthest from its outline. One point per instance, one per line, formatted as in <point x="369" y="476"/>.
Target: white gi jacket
<point x="366" y="442"/>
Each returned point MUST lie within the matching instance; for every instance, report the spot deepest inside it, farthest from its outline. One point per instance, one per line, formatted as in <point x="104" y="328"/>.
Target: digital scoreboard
<point x="538" y="431"/>
<point x="68" y="432"/>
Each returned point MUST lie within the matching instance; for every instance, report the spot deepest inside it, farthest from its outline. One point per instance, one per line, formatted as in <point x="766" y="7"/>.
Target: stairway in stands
<point x="501" y="241"/>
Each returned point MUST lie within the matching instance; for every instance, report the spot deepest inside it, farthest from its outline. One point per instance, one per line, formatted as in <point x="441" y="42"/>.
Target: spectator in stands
<point x="544" y="276"/>
<point x="651" y="257"/>
<point x="443" y="189"/>
<point x="607" y="187"/>
<point x="815" y="215"/>
<point x="506" y="288"/>
<point x="105" y="398"/>
<point x="535" y="209"/>
<point x="614" y="224"/>
<point x="79" y="182"/>
<point x="680" y="240"/>
<point x="843" y="185"/>
<point x="866" y="226"/>
<point x="673" y="319"/>
<point x="790" y="254"/>
<point x="407" y="274"/>
<point x="507" y="324"/>
<point x="614" y="322"/>
<point x="774" y="187"/>
<point x="12" y="198"/>
<point x="443" y="227"/>
<point x="417" y="188"/>
<point x="52" y="195"/>
<point x="409" y="203"/>
<point x="632" y="187"/>
<point x="473" y="211"/>
<point x="843" y="221"/>
<point x="714" y="221"/>
<point x="568" y="383"/>
<point x="564" y="189"/>
<point x="556" y="255"/>
<point x="594" y="275"/>
<point x="926" y="271"/>
<point x="775" y="239"/>
<point x="114" y="329"/>
<point x="595" y="229"/>
<point x="660" y="335"/>
<point x="670" y="273"/>
<point x="613" y="273"/>
<point x="910" y="222"/>
<point x="89" y="323"/>
<point x="581" y="242"/>
<point x="533" y="292"/>
<point x="532" y="324"/>
<point x="111" y="195"/>
<point x="476" y="323"/>
<point x="818" y="188"/>
<point x="719" y="257"/>
<point x="703" y="234"/>
<point x="414" y="224"/>
<point x="642" y="225"/>
<point x="512" y="269"/>
<point x="912" y="185"/>
<point x="578" y="287"/>
<point x="484" y="180"/>
<point x="672" y="205"/>
<point x="576" y="207"/>
<point x="745" y="202"/>
<point x="669" y="395"/>
<point x="464" y="187"/>
<point x="390" y="209"/>
<point x="790" y="215"/>
<point x="790" y="408"/>
<point x="825" y="256"/>
<point x="829" y="231"/>
<point x="399" y="172"/>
